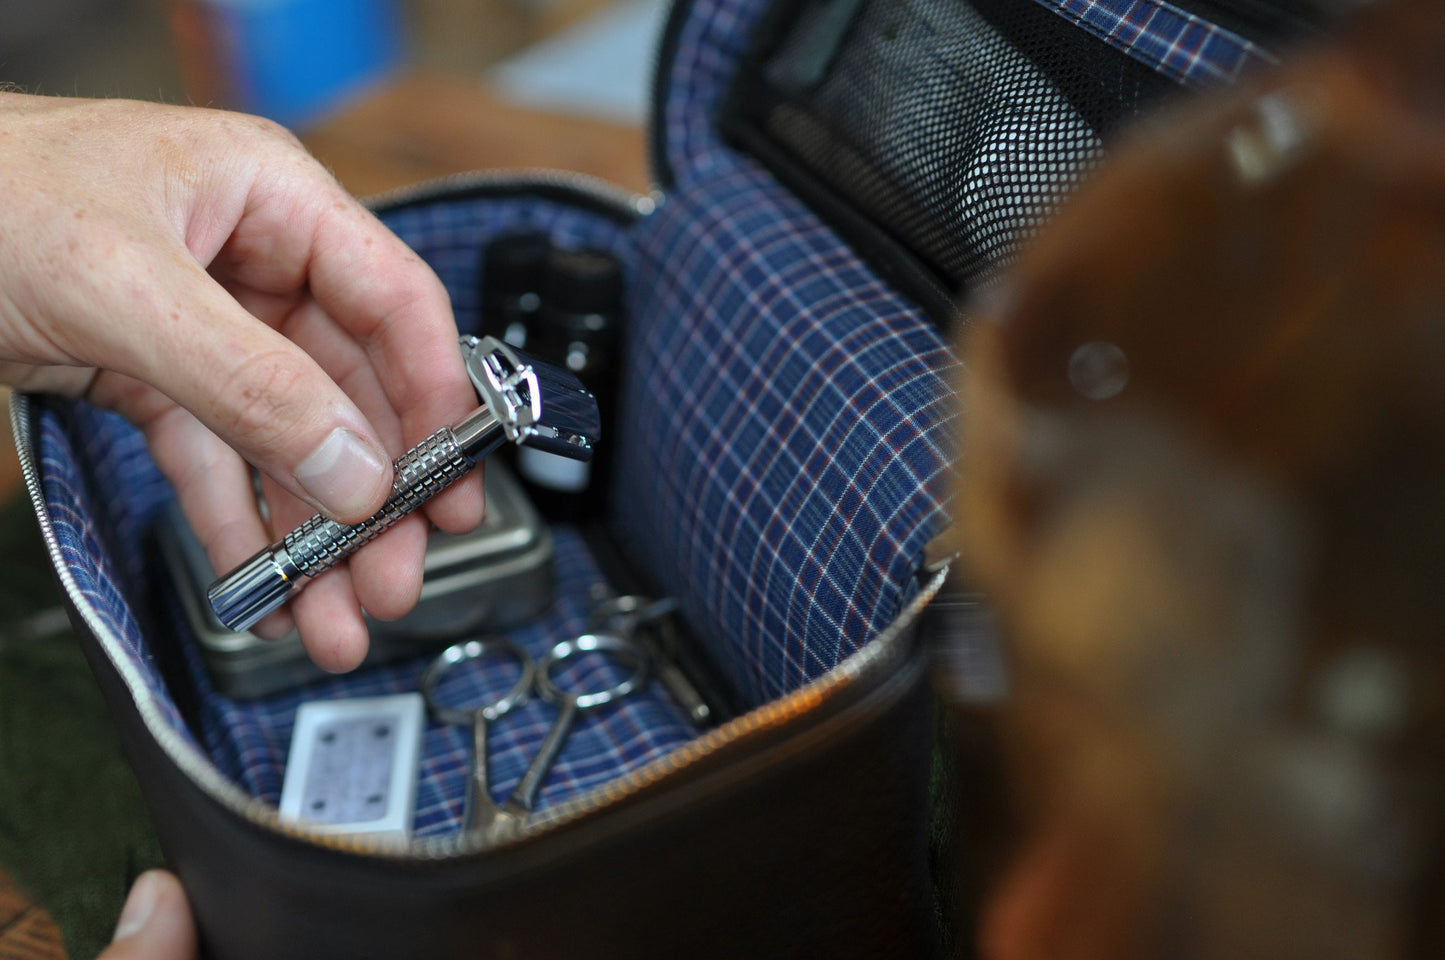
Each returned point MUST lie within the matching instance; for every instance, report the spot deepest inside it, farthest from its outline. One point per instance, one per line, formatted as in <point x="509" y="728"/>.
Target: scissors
<point x="482" y="817"/>
<point x="650" y="622"/>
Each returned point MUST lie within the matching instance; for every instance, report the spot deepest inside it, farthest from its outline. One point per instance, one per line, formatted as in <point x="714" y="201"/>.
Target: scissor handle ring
<point x="632" y="611"/>
<point x="460" y="653"/>
<point x="643" y="609"/>
<point x="593" y="643"/>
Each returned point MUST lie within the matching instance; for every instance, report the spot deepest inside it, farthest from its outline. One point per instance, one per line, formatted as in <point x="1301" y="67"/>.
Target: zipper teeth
<point x="599" y="190"/>
<point x="874" y="655"/>
<point x="184" y="753"/>
<point x="662" y="51"/>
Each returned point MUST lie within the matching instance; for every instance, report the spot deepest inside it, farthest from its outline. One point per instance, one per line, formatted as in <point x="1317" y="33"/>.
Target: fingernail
<point x="341" y="474"/>
<point x="138" y="906"/>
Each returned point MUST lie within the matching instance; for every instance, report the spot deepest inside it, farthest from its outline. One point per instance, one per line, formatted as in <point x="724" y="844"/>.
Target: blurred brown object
<point x="26" y="931"/>
<point x="1205" y="488"/>
<point x="423" y="126"/>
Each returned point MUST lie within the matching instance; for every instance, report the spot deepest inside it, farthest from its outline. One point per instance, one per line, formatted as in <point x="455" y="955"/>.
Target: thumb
<point x="155" y="923"/>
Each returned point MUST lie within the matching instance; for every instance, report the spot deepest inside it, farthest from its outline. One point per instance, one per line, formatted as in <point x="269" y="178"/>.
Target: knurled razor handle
<point x="267" y="580"/>
<point x="526" y="400"/>
<point x="421" y="473"/>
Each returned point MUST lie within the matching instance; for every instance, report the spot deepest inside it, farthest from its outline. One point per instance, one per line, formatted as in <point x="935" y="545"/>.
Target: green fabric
<point x="73" y="829"/>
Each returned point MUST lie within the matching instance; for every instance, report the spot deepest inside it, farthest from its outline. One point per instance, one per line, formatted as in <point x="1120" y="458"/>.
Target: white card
<point x="353" y="765"/>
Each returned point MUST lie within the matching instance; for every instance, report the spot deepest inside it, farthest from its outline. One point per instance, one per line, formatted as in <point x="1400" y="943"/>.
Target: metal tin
<point x="497" y="577"/>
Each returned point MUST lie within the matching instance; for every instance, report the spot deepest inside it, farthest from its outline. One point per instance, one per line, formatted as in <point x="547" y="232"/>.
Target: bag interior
<point x="790" y="538"/>
<point x="785" y="429"/>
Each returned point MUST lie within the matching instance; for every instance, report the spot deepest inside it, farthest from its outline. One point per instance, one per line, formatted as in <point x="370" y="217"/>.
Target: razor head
<point x="538" y="404"/>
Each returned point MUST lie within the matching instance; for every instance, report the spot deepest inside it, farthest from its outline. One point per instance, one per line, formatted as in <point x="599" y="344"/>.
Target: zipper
<point x="185" y="754"/>
<point x="889" y="647"/>
<point x="591" y="193"/>
<point x="662" y="58"/>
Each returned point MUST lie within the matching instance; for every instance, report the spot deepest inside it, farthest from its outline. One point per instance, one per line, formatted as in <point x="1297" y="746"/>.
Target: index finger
<point x="401" y="314"/>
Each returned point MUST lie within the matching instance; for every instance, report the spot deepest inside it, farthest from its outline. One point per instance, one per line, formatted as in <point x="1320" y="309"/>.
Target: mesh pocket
<point x="937" y="134"/>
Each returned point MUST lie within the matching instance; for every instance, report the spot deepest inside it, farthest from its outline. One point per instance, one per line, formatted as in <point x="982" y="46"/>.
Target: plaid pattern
<point x="711" y="42"/>
<point x="1174" y="42"/>
<point x="102" y="538"/>
<point x="786" y="414"/>
<point x="786" y="435"/>
<point x="249" y="740"/>
<point x="833" y="540"/>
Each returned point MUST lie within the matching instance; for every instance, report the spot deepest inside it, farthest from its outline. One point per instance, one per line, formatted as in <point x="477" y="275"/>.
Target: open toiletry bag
<point x="833" y="178"/>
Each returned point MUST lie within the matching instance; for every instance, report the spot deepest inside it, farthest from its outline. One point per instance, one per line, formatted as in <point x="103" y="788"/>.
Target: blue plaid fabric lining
<point x="786" y="436"/>
<point x="787" y="415"/>
<point x="1176" y="43"/>
<point x="710" y="43"/>
<point x="852" y="462"/>
<point x="82" y="450"/>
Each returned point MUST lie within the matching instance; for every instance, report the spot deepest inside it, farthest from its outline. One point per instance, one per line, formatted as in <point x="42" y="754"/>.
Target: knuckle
<point x="264" y="390"/>
<point x="282" y="137"/>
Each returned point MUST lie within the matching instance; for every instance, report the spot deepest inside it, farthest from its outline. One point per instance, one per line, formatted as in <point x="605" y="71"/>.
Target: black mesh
<point x="938" y="130"/>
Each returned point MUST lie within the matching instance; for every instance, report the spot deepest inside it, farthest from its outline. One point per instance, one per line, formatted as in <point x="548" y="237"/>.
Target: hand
<point x="200" y="273"/>
<point x="155" y="923"/>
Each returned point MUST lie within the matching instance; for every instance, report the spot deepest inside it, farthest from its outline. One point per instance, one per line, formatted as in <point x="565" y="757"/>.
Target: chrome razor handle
<point x="524" y="400"/>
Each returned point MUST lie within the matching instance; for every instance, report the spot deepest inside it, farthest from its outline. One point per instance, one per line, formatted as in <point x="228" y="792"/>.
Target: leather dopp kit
<point x="677" y="700"/>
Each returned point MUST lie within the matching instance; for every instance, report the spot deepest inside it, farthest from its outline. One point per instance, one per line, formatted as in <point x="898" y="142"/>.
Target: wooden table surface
<point x="420" y="126"/>
<point x="412" y="129"/>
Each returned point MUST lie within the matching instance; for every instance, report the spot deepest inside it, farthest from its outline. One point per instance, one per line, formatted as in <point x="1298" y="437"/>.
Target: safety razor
<point x="528" y="401"/>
